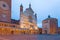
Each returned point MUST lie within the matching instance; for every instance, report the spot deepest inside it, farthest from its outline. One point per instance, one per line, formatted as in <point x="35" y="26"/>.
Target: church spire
<point x="29" y="5"/>
<point x="21" y="5"/>
<point x="21" y="8"/>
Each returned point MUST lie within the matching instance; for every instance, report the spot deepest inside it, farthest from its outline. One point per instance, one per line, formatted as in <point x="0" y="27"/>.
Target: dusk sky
<point x="43" y="8"/>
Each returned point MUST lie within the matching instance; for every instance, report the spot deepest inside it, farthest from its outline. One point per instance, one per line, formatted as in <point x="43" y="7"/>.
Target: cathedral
<point x="26" y="25"/>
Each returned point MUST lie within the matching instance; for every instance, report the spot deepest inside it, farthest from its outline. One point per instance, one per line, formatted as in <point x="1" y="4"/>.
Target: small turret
<point x="29" y="5"/>
<point x="21" y="8"/>
<point x="36" y="17"/>
<point x="49" y="16"/>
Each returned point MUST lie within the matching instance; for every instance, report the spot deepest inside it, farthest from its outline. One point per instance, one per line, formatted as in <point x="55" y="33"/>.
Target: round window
<point x="4" y="5"/>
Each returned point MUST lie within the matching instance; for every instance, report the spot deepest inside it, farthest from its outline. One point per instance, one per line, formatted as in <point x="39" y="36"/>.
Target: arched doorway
<point x="45" y="31"/>
<point x="12" y="32"/>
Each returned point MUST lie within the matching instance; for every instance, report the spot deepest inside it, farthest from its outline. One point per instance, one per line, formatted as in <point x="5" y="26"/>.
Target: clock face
<point x="4" y="15"/>
<point x="4" y="5"/>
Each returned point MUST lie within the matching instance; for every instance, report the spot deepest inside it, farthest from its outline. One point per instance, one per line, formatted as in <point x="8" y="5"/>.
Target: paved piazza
<point x="30" y="37"/>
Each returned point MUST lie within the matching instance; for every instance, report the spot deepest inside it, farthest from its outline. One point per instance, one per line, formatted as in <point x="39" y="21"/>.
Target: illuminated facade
<point x="28" y="20"/>
<point x="50" y="26"/>
<point x="26" y="24"/>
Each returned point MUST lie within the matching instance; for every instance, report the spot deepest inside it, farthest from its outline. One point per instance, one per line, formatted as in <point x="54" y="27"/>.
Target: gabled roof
<point x="30" y="9"/>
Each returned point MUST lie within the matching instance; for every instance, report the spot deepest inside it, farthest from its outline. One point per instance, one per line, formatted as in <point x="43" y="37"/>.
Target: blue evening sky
<point x="43" y="8"/>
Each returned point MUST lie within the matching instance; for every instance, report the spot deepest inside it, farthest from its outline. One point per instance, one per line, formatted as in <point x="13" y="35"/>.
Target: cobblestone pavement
<point x="29" y="37"/>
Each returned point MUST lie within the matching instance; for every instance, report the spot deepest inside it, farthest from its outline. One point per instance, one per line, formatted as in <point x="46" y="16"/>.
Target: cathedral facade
<point x="26" y="25"/>
<point x="28" y="20"/>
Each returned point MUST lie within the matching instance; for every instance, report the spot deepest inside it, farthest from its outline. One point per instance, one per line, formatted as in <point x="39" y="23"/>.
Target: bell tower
<point x="21" y="15"/>
<point x="5" y="10"/>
